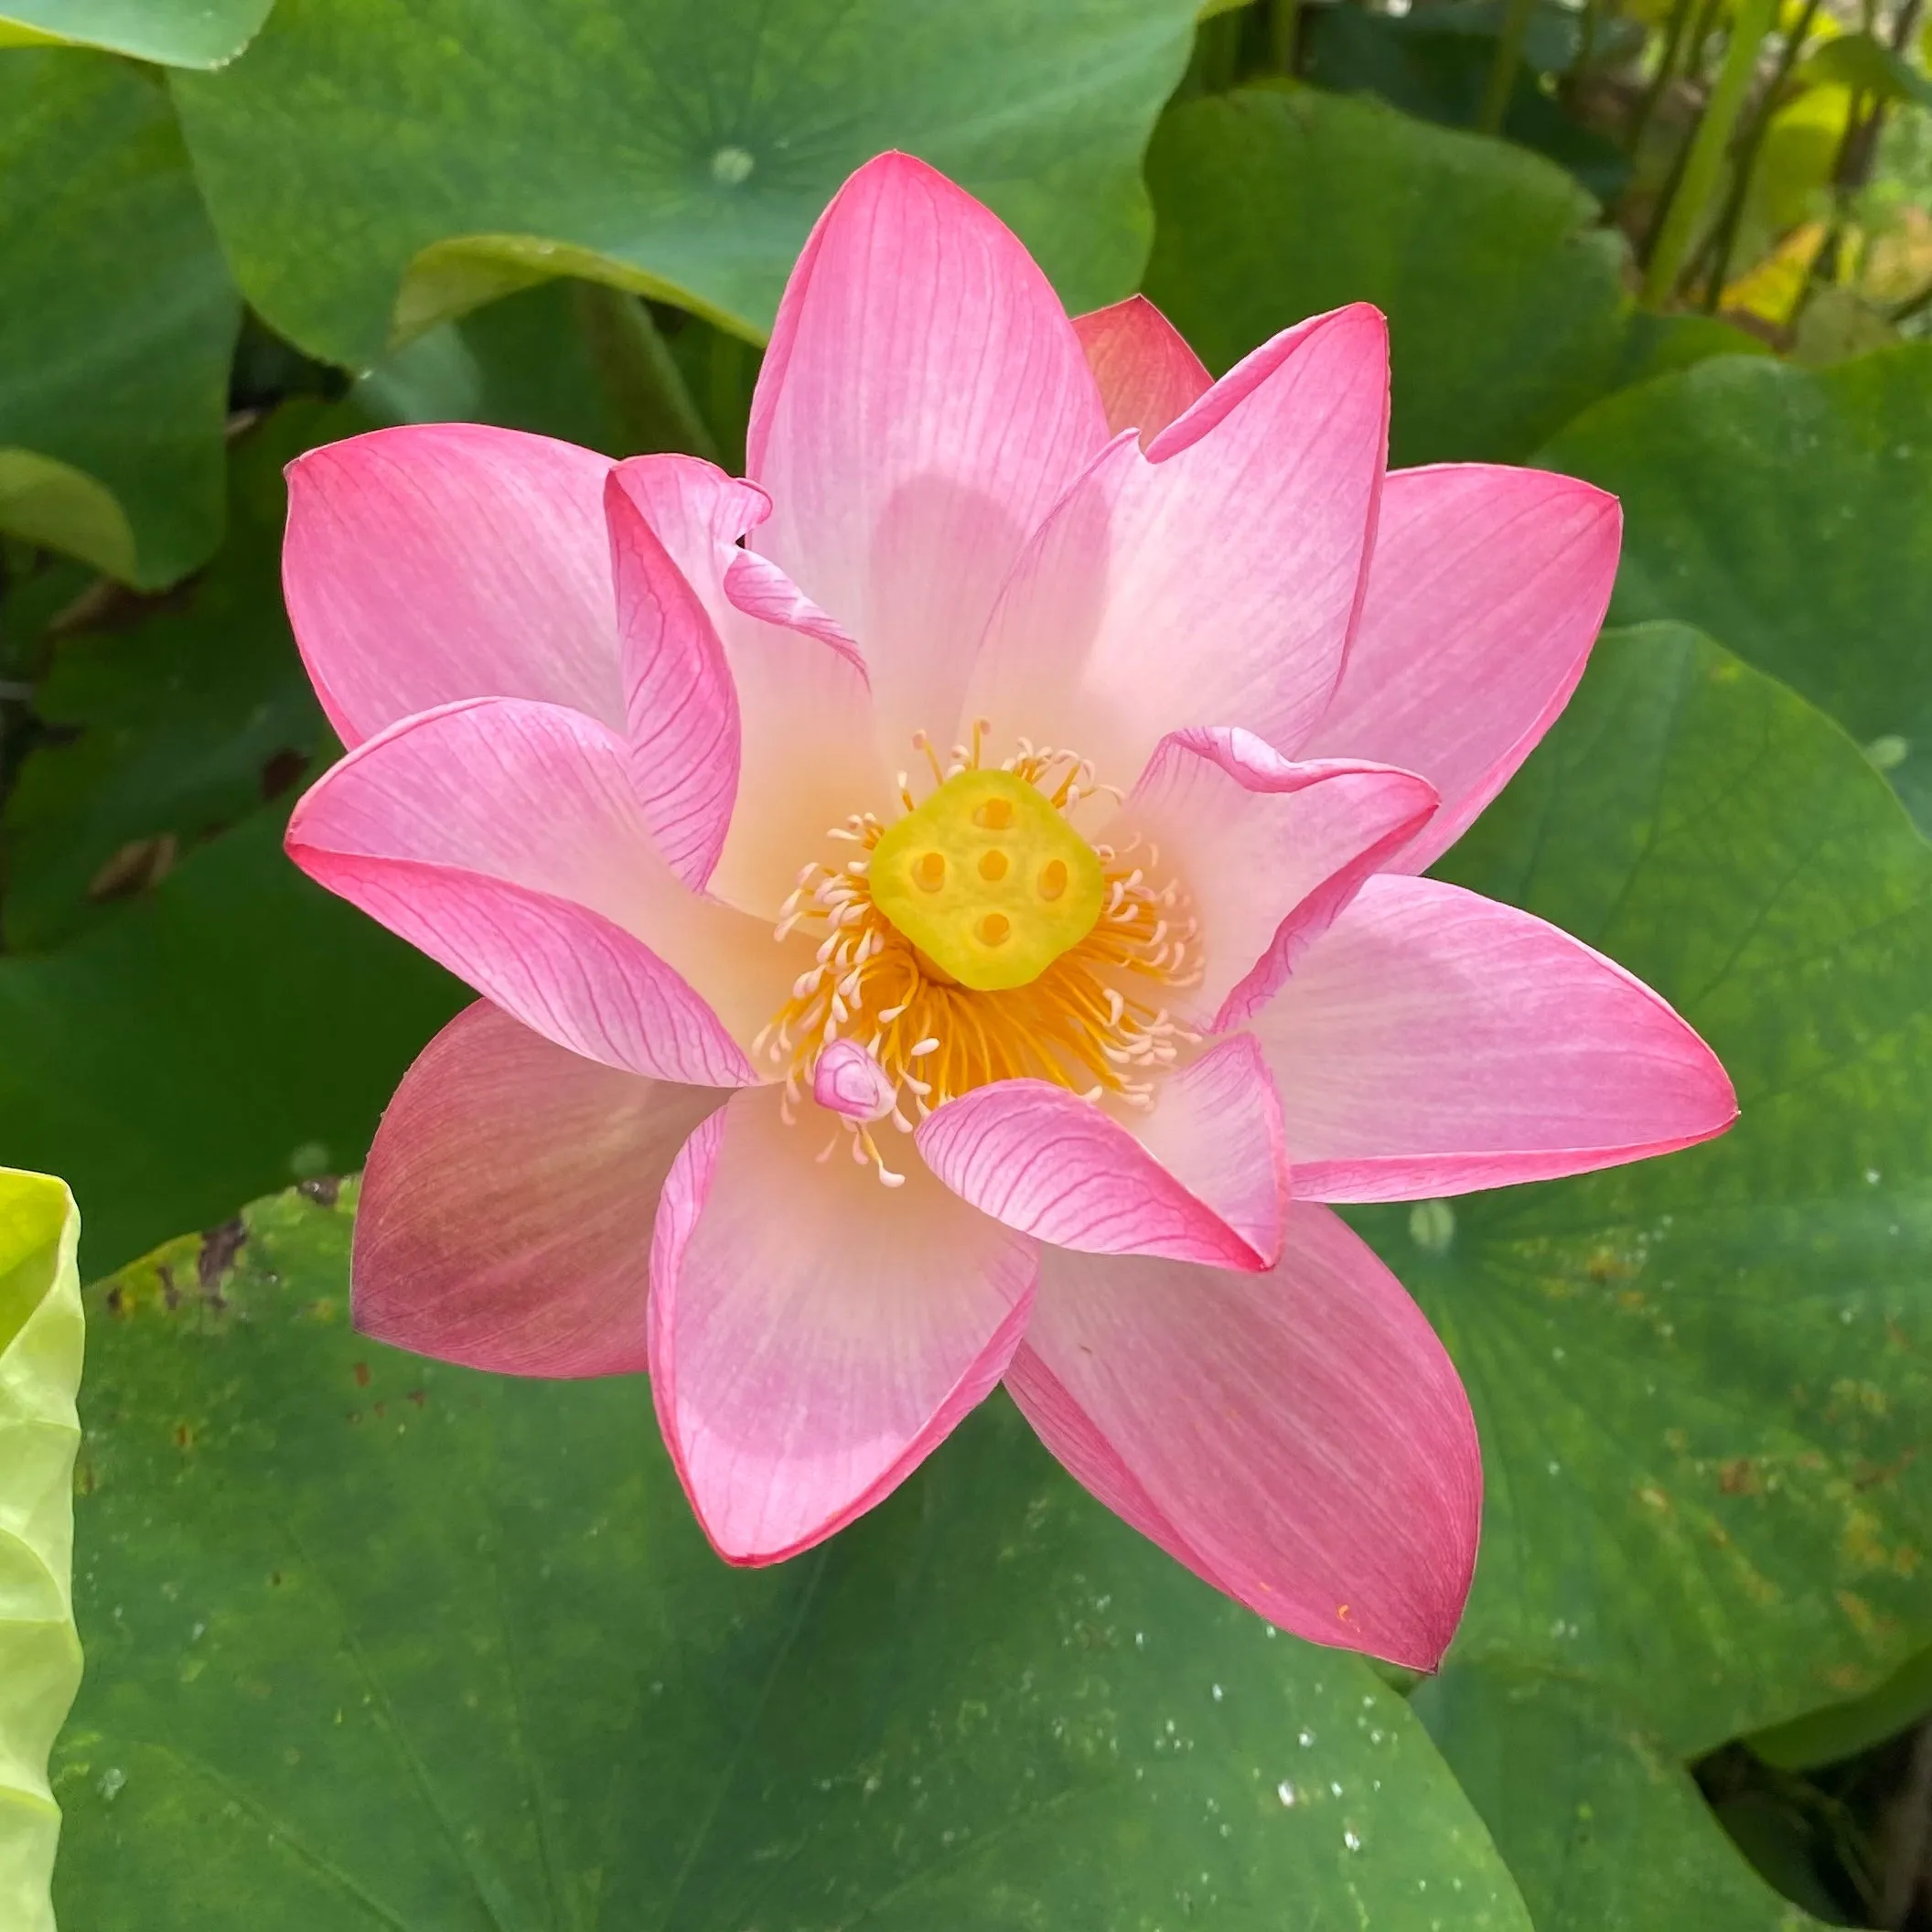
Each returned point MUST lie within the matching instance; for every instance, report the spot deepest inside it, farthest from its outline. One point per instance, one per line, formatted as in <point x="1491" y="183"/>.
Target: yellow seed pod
<point x="988" y="880"/>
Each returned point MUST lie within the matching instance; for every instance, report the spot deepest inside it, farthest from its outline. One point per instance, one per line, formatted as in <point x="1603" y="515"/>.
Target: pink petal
<point x="1199" y="1179"/>
<point x="849" y="1082"/>
<point x="923" y="403"/>
<point x="503" y="839"/>
<point x="751" y="721"/>
<point x="1214" y="579"/>
<point x="1269" y="852"/>
<point x="1297" y="1438"/>
<point x="1147" y="374"/>
<point x="1486" y="591"/>
<point x="1432" y="1042"/>
<point x="447" y="560"/>
<point x="678" y="699"/>
<point x="506" y="1212"/>
<point x="814" y="1334"/>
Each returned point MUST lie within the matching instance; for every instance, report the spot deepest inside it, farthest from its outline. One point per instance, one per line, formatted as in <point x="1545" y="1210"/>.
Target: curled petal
<point x="681" y="706"/>
<point x="1270" y="852"/>
<point x="922" y="403"/>
<point x="506" y="1213"/>
<point x="1486" y="590"/>
<point x="1214" y="577"/>
<point x="504" y="840"/>
<point x="445" y="561"/>
<point x="1432" y="1042"/>
<point x="1297" y="1438"/>
<point x="1198" y="1178"/>
<point x="1147" y="374"/>
<point x="813" y="1335"/>
<point x="751" y="725"/>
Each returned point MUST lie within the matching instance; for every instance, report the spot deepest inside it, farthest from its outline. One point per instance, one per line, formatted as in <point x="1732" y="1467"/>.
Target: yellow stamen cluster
<point x="1090" y="1021"/>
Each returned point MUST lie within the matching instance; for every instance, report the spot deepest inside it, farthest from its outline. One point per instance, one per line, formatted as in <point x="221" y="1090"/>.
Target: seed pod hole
<point x="930" y="873"/>
<point x="993" y="865"/>
<point x="994" y="814"/>
<point x="1053" y="879"/>
<point x="995" y="929"/>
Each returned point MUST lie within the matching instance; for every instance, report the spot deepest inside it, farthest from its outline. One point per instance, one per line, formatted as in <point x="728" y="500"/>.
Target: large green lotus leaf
<point x="118" y="321"/>
<point x="227" y="1032"/>
<point x="169" y="728"/>
<point x="1602" y="1831"/>
<point x="176" y="33"/>
<point x="377" y="1641"/>
<point x="1701" y="1381"/>
<point x="1504" y="307"/>
<point x="1790" y="512"/>
<point x="166" y="729"/>
<point x="40" y="1343"/>
<point x="677" y="147"/>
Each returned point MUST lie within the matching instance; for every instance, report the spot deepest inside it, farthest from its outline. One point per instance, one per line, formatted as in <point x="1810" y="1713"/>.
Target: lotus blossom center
<point x="988" y="880"/>
<point x="980" y="937"/>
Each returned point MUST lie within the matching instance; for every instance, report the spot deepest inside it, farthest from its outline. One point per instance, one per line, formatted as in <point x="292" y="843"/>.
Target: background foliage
<point x="375" y="1642"/>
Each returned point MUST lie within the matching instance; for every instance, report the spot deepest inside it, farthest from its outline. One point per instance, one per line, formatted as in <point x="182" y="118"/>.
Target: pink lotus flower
<point x="946" y="910"/>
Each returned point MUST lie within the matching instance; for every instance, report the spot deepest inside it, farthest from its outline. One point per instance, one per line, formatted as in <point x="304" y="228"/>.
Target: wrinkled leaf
<point x="234" y="1028"/>
<point x="41" y="1345"/>
<point x="1789" y="514"/>
<point x="118" y="322"/>
<point x="1701" y="1380"/>
<point x="1602" y="1830"/>
<point x="175" y="33"/>
<point x="677" y="147"/>
<point x="1504" y="309"/>
<point x="378" y="1641"/>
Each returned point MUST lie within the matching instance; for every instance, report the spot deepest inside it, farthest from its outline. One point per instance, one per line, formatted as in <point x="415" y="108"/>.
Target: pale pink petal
<point x="1198" y="1178"/>
<point x="445" y="561"/>
<point x="1431" y="1041"/>
<point x="922" y="403"/>
<point x="849" y="1082"/>
<point x="1268" y="851"/>
<point x="756" y="586"/>
<point x="1213" y="579"/>
<point x="1486" y="590"/>
<point x="503" y="839"/>
<point x="1147" y="374"/>
<point x="813" y="1334"/>
<point x="678" y="699"/>
<point x="741" y="658"/>
<point x="1298" y="1438"/>
<point x="506" y="1212"/>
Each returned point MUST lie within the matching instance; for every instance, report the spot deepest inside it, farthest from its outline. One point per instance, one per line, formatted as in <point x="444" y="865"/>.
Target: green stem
<point x="1666" y="66"/>
<point x="1585" y="47"/>
<point x="1285" y="36"/>
<point x="730" y="375"/>
<point x="639" y="376"/>
<point x="1503" y="69"/>
<point x="1724" y="241"/>
<point x="1912" y="306"/>
<point x="1705" y="161"/>
<point x="1673" y="179"/>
